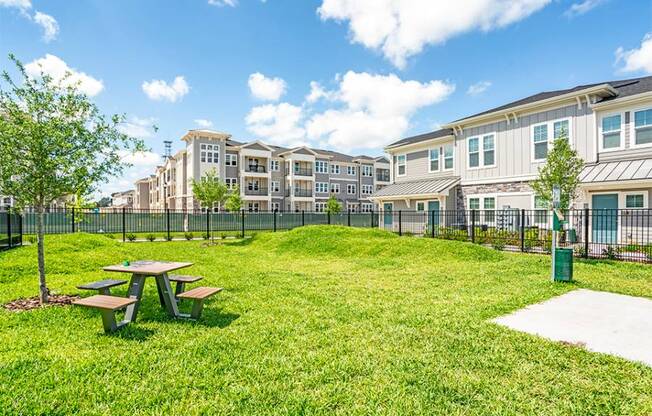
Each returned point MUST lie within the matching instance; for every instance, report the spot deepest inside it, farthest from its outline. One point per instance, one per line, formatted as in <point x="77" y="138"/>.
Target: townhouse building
<point x="487" y="160"/>
<point x="124" y="199"/>
<point x="268" y="177"/>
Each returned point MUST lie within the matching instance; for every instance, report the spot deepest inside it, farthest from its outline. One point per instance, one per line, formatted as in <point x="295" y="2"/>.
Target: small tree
<point x="209" y="191"/>
<point x="563" y="167"/>
<point x="234" y="200"/>
<point x="333" y="206"/>
<point x="54" y="142"/>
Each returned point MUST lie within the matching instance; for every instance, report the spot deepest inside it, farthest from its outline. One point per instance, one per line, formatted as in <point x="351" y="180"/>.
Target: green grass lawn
<point x="318" y="320"/>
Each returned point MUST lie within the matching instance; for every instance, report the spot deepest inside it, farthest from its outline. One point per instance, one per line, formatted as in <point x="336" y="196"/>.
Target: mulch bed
<point x="20" y="305"/>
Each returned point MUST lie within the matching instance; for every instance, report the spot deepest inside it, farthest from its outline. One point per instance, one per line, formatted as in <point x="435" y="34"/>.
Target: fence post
<point x="473" y="226"/>
<point x="242" y="223"/>
<point x="348" y="219"/>
<point x="208" y="223"/>
<point x="432" y="224"/>
<point x="372" y="218"/>
<point x="73" y="220"/>
<point x="400" y="225"/>
<point x="328" y="215"/>
<point x="167" y="220"/>
<point x="9" y="227"/>
<point x="20" y="229"/>
<point x="274" y="220"/>
<point x="124" y="225"/>
<point x="586" y="233"/>
<point x="522" y="230"/>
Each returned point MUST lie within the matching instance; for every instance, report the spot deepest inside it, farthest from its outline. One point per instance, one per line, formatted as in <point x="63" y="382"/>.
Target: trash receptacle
<point x="563" y="264"/>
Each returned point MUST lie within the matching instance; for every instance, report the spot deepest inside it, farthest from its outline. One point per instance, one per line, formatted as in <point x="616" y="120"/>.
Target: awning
<point x="617" y="171"/>
<point x="430" y="187"/>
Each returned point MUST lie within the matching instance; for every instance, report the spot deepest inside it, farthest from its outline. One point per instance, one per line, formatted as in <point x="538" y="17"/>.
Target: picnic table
<point x="142" y="269"/>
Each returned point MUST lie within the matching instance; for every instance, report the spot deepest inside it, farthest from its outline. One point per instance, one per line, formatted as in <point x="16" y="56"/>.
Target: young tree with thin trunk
<point x="209" y="191"/>
<point x="54" y="142"/>
<point x="234" y="200"/>
<point x="333" y="206"/>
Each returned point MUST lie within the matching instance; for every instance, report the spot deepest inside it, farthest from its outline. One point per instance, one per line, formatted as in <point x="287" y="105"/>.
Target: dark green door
<point x="605" y="218"/>
<point x="433" y="206"/>
<point x="388" y="216"/>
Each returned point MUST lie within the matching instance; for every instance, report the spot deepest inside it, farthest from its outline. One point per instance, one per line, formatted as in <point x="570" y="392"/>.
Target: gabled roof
<point x="437" y="134"/>
<point x="302" y="149"/>
<point x="257" y="144"/>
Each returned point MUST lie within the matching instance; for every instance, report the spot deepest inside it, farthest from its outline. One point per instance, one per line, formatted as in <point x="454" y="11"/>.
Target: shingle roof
<point x="624" y="88"/>
<point x="624" y="170"/>
<point x="422" y="187"/>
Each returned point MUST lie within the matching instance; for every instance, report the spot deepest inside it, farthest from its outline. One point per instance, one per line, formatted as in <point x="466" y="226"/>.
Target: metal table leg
<point x="163" y="283"/>
<point x="135" y="292"/>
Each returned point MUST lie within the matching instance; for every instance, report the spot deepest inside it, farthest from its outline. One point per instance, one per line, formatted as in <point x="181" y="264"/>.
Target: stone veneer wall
<point x="462" y="192"/>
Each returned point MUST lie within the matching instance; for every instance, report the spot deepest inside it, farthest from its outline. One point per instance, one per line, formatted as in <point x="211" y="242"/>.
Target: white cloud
<point x="368" y="111"/>
<point x="49" y="25"/>
<point x="141" y="128"/>
<point x="158" y="90"/>
<point x="263" y="88"/>
<point x="401" y="28"/>
<point x="143" y="165"/>
<point x="636" y="60"/>
<point x="478" y="88"/>
<point x="278" y="123"/>
<point x="56" y="68"/>
<point x="222" y="3"/>
<point x="19" y="4"/>
<point x="203" y="123"/>
<point x="577" y="9"/>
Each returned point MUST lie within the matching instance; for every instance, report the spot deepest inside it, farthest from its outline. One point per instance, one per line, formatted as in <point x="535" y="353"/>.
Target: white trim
<point x="499" y="179"/>
<point x="601" y="149"/>
<point x="398" y="165"/>
<point x="616" y="102"/>
<point x="632" y="128"/>
<point x="418" y="145"/>
<point x="623" y="198"/>
<point x="550" y="131"/>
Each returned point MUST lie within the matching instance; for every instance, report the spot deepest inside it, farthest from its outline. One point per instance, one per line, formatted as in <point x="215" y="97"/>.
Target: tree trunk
<point x="43" y="289"/>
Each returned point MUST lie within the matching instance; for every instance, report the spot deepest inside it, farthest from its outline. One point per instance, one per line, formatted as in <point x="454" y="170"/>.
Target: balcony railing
<point x="256" y="191"/>
<point x="303" y="172"/>
<point x="255" y="168"/>
<point x="382" y="178"/>
<point x="303" y="193"/>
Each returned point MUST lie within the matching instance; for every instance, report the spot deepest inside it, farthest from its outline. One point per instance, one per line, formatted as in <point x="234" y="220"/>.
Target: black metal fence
<point x="11" y="230"/>
<point x="624" y="234"/>
<point x="618" y="234"/>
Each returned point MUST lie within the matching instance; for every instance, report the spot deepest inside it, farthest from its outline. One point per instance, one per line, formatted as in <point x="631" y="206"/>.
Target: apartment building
<point x="269" y="177"/>
<point x="487" y="160"/>
<point x="123" y="199"/>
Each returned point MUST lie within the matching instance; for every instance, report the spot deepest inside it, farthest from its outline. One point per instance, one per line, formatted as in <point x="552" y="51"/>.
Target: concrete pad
<point x="600" y="321"/>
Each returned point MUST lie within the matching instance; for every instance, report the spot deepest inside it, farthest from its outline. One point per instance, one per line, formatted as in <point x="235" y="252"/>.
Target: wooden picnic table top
<point x="147" y="267"/>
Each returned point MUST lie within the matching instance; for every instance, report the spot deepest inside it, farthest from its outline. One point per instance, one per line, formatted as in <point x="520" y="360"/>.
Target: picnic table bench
<point x="108" y="305"/>
<point x="103" y="287"/>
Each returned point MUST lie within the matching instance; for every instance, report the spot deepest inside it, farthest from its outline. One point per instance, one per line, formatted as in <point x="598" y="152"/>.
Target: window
<point x="276" y="206"/>
<point x="400" y="163"/>
<point x="434" y="159"/>
<point x="319" y="206"/>
<point x="274" y="165"/>
<point x="540" y="139"/>
<point x="335" y="169"/>
<point x="489" y="205"/>
<point x="335" y="188"/>
<point x="210" y="153"/>
<point x="541" y="210"/>
<point x="252" y="185"/>
<point x="276" y="186"/>
<point x="253" y="206"/>
<point x="474" y="203"/>
<point x="367" y="170"/>
<point x="474" y="152"/>
<point x="643" y="128"/>
<point x="321" y="166"/>
<point x="488" y="150"/>
<point x="611" y="129"/>
<point x="366" y="207"/>
<point x="448" y="156"/>
<point x="367" y="189"/>
<point x="350" y="189"/>
<point x="350" y="170"/>
<point x="634" y="201"/>
<point x="231" y="182"/>
<point x="352" y="206"/>
<point x="421" y="206"/>
<point x="561" y="129"/>
<point x="321" y="187"/>
<point x="231" y="160"/>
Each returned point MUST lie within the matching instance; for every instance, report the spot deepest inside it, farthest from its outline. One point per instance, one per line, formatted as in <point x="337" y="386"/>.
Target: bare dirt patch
<point x="27" y="304"/>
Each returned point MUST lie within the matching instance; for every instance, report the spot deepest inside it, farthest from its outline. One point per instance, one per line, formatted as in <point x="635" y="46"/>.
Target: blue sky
<point x="378" y="70"/>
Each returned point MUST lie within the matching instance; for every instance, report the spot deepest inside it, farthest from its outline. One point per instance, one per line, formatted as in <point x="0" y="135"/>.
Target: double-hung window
<point x="274" y="165"/>
<point x="321" y="166"/>
<point x="545" y="134"/>
<point x="482" y="151"/>
<point x="367" y="170"/>
<point x="643" y="127"/>
<point x="611" y="132"/>
<point x="231" y="159"/>
<point x="489" y="205"/>
<point x="561" y="129"/>
<point x="540" y="140"/>
<point x="400" y="165"/>
<point x="634" y="201"/>
<point x="434" y="160"/>
<point x="350" y="189"/>
<point x="540" y="210"/>
<point x="335" y="169"/>
<point x="350" y="170"/>
<point x="335" y="188"/>
<point x="474" y="205"/>
<point x="321" y="187"/>
<point x="448" y="156"/>
<point x="474" y="152"/>
<point x="367" y="189"/>
<point x="319" y="206"/>
<point x="366" y="207"/>
<point x="276" y="186"/>
<point x="488" y="150"/>
<point x="231" y="182"/>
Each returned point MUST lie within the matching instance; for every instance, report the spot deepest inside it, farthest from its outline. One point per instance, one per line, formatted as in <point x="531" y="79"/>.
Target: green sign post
<point x="562" y="258"/>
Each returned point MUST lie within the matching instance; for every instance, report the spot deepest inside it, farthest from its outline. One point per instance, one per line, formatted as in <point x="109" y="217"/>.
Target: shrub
<point x="150" y="237"/>
<point x="188" y="236"/>
<point x="111" y="236"/>
<point x="131" y="237"/>
<point x="205" y="236"/>
<point x="580" y="251"/>
<point x="168" y="237"/>
<point x="223" y="235"/>
<point x="407" y="234"/>
<point x="498" y="244"/>
<point x="31" y="239"/>
<point x="610" y="252"/>
<point x="528" y="245"/>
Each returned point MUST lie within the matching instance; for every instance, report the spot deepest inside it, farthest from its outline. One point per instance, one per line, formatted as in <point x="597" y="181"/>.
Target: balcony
<point x="255" y="168"/>
<point x="302" y="172"/>
<point x="382" y="178"/>
<point x="256" y="191"/>
<point x="303" y="193"/>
